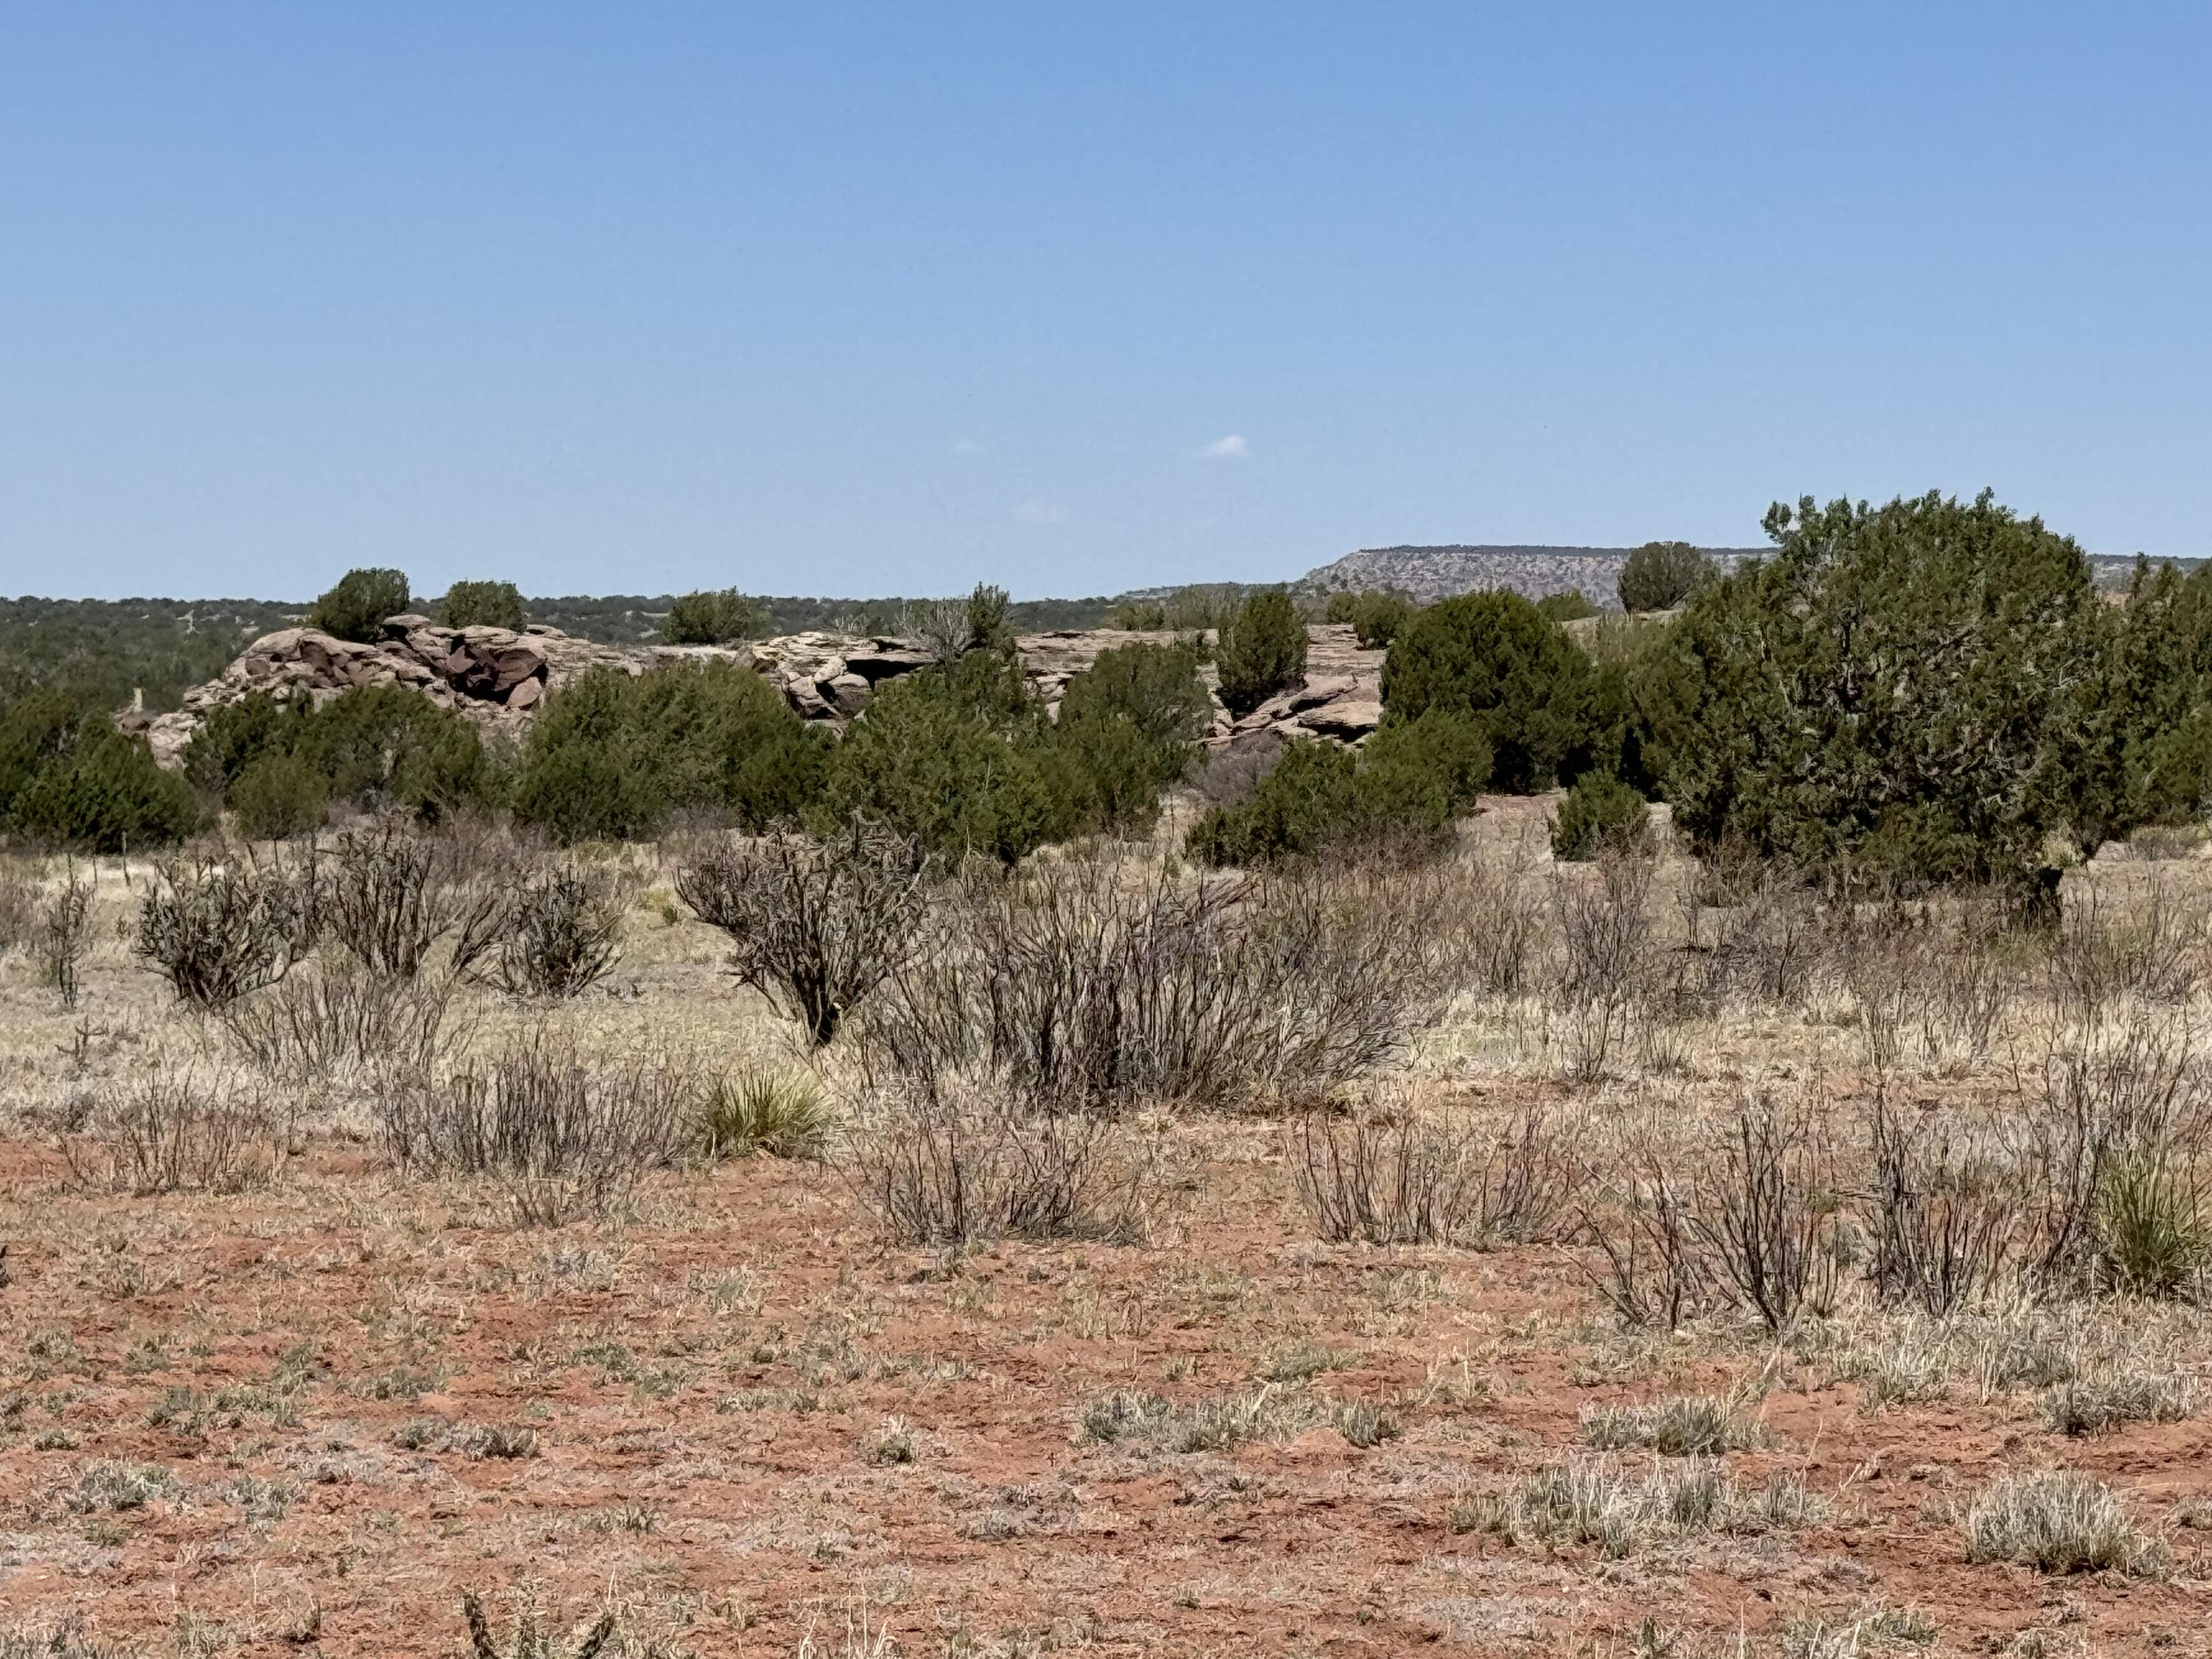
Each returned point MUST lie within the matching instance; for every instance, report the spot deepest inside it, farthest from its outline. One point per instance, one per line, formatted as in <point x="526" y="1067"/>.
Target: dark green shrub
<point x="1138" y="617"/>
<point x="1901" y="690"/>
<point x="955" y="758"/>
<point x="611" y="756"/>
<point x="1600" y="813"/>
<point x="98" y="790"/>
<point x="712" y="618"/>
<point x="277" y="796"/>
<point x="1376" y="615"/>
<point x="2145" y="755"/>
<point x="1569" y="604"/>
<point x="385" y="748"/>
<point x="1497" y="657"/>
<point x="485" y="604"/>
<point x="1261" y="651"/>
<point x="1156" y="689"/>
<point x="1661" y="575"/>
<point x="1100" y="774"/>
<point x="1307" y="802"/>
<point x="356" y="608"/>
<point x="1419" y="774"/>
<point x="388" y="748"/>
<point x="231" y="737"/>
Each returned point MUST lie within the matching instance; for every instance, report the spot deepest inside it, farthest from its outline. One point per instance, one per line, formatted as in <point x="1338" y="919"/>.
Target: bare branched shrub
<point x="1100" y="985"/>
<point x="565" y="1136"/>
<point x="1407" y="1176"/>
<point x="19" y="905"/>
<point x="553" y="933"/>
<point x="1754" y="1224"/>
<point x="2149" y="940"/>
<point x="962" y="1164"/>
<point x="815" y="926"/>
<point x="1658" y="1270"/>
<point x="2102" y="1149"/>
<point x="218" y="928"/>
<point x="1609" y="959"/>
<point x="1760" y="934"/>
<point x="390" y="893"/>
<point x="1767" y="1210"/>
<point x="174" y="1131"/>
<point x="60" y="934"/>
<point x="2059" y="1521"/>
<point x="1501" y="915"/>
<point x="1943" y="1212"/>
<point x="335" y="1019"/>
<point x="531" y="1640"/>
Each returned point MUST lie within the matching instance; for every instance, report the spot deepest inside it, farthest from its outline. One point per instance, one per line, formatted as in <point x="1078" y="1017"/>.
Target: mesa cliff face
<point x="497" y="677"/>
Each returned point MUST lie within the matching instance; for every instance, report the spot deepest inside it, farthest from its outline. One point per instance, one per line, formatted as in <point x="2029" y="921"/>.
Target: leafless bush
<point x="1943" y="1212"/>
<point x="1767" y="936"/>
<point x="1098" y="985"/>
<point x="2149" y="940"/>
<point x="1234" y="774"/>
<point x="2110" y="1106"/>
<point x="1754" y="1224"/>
<point x="219" y="928"/>
<point x="176" y="1132"/>
<point x="18" y="906"/>
<point x="551" y="933"/>
<point x="336" y="1019"/>
<point x="60" y="934"/>
<point x="963" y="1163"/>
<point x="1609" y="961"/>
<point x="563" y="1135"/>
<point x="1767" y="1210"/>
<point x="1658" y="1268"/>
<point x="1501" y="921"/>
<point x="390" y="893"/>
<point x="815" y="926"/>
<point x="1404" y="1176"/>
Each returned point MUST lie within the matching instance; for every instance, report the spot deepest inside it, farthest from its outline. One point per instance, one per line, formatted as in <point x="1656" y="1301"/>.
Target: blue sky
<point x="865" y="299"/>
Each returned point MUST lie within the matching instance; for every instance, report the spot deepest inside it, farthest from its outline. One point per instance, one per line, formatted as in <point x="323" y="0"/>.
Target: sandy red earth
<point x="309" y="1417"/>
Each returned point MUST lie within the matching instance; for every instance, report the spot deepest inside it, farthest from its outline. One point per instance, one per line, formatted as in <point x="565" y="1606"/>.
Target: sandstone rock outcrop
<point x="497" y="677"/>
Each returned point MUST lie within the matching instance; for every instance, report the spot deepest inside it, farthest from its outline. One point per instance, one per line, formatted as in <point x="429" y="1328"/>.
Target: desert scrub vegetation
<point x="816" y="926"/>
<point x="561" y="1132"/>
<point x="1401" y="1173"/>
<point x="2057" y="1521"/>
<point x="772" y="1114"/>
<point x="1602" y="1501"/>
<point x="226" y="923"/>
<point x="174" y="1130"/>
<point x="1679" y="1425"/>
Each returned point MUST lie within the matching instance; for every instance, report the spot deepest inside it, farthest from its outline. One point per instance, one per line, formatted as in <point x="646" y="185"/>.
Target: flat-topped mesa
<point x="496" y="677"/>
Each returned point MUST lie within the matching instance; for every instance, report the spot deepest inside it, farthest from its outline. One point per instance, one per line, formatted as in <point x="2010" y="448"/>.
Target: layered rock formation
<point x="496" y="676"/>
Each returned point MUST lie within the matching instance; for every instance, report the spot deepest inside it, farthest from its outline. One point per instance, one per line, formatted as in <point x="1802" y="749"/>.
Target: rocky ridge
<point x="496" y="676"/>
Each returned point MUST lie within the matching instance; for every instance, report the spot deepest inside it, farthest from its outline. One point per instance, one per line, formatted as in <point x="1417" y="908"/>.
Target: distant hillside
<point x="1437" y="573"/>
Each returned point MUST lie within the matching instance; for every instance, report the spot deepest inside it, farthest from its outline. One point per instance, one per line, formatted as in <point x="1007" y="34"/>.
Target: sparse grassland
<point x="1661" y="1266"/>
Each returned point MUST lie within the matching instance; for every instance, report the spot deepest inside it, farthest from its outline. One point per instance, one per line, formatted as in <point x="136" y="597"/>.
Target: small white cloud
<point x="1231" y="448"/>
<point x="966" y="447"/>
<point x="1037" y="510"/>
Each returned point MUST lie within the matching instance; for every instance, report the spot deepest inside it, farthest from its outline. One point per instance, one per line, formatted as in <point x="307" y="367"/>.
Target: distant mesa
<point x="1438" y="573"/>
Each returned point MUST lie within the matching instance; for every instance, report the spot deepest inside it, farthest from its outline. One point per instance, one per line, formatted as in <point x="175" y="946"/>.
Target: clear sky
<point x="857" y="299"/>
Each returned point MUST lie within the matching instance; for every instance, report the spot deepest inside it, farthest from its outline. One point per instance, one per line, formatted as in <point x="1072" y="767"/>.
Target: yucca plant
<point x="777" y="1114"/>
<point x="2150" y="1223"/>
